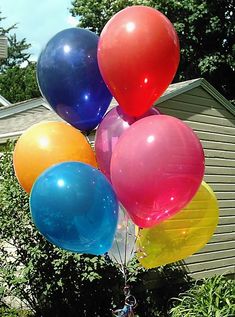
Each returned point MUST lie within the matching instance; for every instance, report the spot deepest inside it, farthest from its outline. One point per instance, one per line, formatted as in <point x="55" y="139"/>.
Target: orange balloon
<point x="46" y="144"/>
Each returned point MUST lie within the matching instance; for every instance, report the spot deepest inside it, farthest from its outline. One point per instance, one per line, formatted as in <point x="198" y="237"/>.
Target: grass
<point x="212" y="297"/>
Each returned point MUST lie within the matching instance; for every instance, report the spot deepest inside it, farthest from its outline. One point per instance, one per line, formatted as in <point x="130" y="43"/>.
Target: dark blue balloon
<point x="74" y="206"/>
<point x="70" y="80"/>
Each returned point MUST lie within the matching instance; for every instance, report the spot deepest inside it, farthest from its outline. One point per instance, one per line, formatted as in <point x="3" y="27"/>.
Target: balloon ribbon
<point x="128" y="308"/>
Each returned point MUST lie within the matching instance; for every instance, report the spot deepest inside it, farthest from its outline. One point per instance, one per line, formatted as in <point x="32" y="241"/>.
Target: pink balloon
<point x="110" y="129"/>
<point x="157" y="167"/>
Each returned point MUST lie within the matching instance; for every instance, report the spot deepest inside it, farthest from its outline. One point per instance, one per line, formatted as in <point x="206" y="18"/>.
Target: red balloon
<point x="157" y="167"/>
<point x="138" y="55"/>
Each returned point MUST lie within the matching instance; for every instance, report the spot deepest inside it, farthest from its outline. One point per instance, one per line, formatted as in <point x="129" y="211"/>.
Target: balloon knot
<point x="128" y="308"/>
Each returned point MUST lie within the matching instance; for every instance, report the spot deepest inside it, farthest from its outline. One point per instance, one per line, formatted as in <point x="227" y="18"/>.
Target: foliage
<point x="214" y="297"/>
<point x="154" y="289"/>
<point x="52" y="282"/>
<point x="17" y="50"/>
<point x="11" y="312"/>
<point x="17" y="83"/>
<point x="206" y="31"/>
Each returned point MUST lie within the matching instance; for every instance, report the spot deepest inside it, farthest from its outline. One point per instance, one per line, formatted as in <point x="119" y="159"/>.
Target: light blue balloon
<point x="74" y="206"/>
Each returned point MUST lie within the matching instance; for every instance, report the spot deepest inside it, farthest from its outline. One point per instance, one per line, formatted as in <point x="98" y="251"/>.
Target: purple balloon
<point x="110" y="129"/>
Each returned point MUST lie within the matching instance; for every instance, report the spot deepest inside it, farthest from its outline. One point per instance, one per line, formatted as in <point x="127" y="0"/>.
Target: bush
<point x="55" y="283"/>
<point x="212" y="297"/>
<point x="10" y="312"/>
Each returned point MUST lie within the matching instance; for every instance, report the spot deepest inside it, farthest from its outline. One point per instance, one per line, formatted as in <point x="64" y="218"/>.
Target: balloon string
<point x="133" y="247"/>
<point x="115" y="259"/>
<point x="130" y="300"/>
<point x="128" y="308"/>
<point x="125" y="255"/>
<point x="119" y="252"/>
<point x="123" y="271"/>
<point x="125" y="261"/>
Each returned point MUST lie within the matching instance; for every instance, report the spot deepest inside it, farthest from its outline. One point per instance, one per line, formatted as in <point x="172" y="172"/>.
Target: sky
<point x="38" y="20"/>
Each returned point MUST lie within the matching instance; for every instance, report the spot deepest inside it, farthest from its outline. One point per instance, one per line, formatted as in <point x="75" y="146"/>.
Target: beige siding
<point x="215" y="126"/>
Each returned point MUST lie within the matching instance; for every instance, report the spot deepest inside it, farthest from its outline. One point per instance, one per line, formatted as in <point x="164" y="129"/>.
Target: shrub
<point x="212" y="297"/>
<point x="10" y="312"/>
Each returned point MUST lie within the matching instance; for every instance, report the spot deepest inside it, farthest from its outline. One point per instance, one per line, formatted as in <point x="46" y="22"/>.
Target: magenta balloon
<point x="110" y="129"/>
<point x="156" y="168"/>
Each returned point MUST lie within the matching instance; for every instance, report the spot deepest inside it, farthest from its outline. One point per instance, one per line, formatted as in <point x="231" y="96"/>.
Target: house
<point x="212" y="117"/>
<point x="3" y="47"/>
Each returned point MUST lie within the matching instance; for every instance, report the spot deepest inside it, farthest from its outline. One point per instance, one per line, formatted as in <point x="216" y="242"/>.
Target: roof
<point x="4" y="102"/>
<point x="13" y="124"/>
<point x="182" y="87"/>
<point x="16" y="118"/>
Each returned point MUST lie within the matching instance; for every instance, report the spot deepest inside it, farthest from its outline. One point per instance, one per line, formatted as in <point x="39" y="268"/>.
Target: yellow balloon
<point x="45" y="144"/>
<point x="182" y="235"/>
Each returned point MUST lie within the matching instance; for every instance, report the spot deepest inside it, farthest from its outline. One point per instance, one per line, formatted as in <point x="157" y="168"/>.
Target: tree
<point x="17" y="50"/>
<point x="17" y="83"/>
<point x="206" y="31"/>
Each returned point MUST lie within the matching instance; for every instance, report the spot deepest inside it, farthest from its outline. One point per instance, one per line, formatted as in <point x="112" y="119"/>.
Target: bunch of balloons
<point x="143" y="192"/>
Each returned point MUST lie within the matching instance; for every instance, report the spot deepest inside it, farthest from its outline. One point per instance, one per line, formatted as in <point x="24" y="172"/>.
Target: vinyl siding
<point x="3" y="47"/>
<point x="215" y="126"/>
